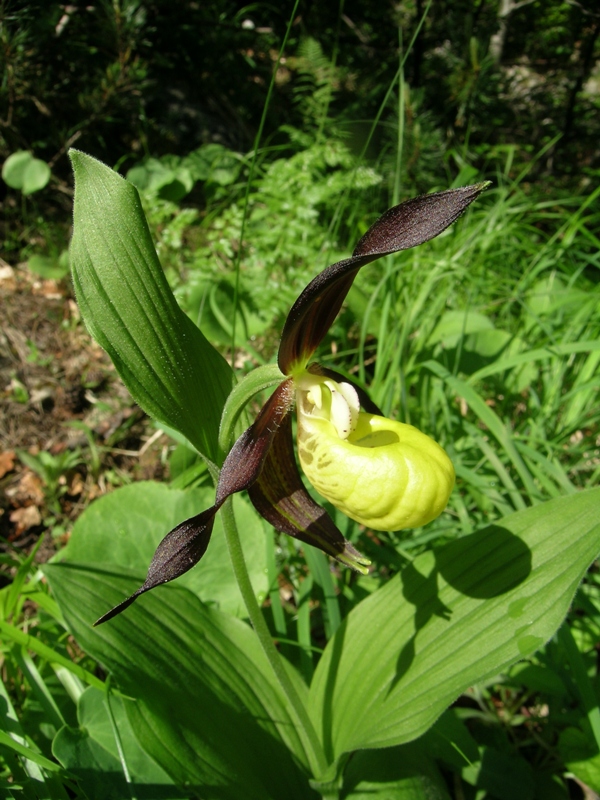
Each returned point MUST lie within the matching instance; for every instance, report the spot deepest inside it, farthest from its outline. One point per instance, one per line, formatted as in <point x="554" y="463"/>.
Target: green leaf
<point x="537" y="679"/>
<point x="453" y="617"/>
<point x="36" y="176"/>
<point x="502" y="775"/>
<point x="401" y="773"/>
<point x="91" y="753"/>
<point x="214" y="163"/>
<point x="204" y="703"/>
<point x="98" y="773"/>
<point x="580" y="754"/>
<point x="549" y="786"/>
<point x="8" y="631"/>
<point x="524" y="359"/>
<point x="27" y="752"/>
<point x="497" y="427"/>
<point x="454" y="325"/>
<point x="14" y="167"/>
<point x="167" y="181"/>
<point x="167" y="364"/>
<point x="22" y="171"/>
<point x="450" y="741"/>
<point x="121" y="531"/>
<point x="50" y="267"/>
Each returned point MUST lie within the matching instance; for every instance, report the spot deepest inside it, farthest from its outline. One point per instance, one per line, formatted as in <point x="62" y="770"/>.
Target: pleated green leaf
<point x="401" y="773"/>
<point x="103" y="747"/>
<point x="167" y="364"/>
<point x="453" y="617"/>
<point x="198" y="691"/>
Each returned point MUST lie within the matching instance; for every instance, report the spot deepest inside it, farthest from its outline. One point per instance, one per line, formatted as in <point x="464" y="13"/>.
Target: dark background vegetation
<point x="128" y="79"/>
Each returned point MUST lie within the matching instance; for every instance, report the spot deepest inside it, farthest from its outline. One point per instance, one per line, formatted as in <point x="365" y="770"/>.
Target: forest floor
<point x="69" y="430"/>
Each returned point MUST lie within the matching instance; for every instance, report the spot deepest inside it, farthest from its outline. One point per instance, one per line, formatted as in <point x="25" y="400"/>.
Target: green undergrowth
<point x="488" y="339"/>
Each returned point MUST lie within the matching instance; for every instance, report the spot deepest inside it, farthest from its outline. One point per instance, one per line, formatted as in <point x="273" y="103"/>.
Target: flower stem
<point x="306" y="729"/>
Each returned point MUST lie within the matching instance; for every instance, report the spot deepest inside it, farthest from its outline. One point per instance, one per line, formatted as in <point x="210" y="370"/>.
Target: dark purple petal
<point x="184" y="546"/>
<point x="280" y="497"/>
<point x="315" y="309"/>
<point x="245" y="459"/>
<point x="411" y="223"/>
<point x="417" y="221"/>
<point x="180" y="550"/>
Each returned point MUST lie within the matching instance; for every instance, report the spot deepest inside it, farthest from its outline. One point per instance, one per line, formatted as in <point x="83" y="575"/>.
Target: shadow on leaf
<point x="483" y="565"/>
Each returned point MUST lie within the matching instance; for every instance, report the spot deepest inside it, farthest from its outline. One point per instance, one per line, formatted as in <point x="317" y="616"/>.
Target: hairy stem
<point x="312" y="744"/>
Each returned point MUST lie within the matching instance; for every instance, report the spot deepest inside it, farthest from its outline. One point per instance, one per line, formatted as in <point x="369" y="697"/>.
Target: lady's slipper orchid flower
<point x="354" y="458"/>
<point x="381" y="473"/>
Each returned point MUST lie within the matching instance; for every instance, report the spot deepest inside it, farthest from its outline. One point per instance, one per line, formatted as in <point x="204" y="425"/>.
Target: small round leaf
<point x="36" y="176"/>
<point x="14" y="167"/>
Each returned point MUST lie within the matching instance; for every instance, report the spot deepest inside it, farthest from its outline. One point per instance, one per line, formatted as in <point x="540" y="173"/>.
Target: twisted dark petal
<point x="245" y="459"/>
<point x="280" y="497"/>
<point x="365" y="401"/>
<point x="416" y="221"/>
<point x="183" y="547"/>
<point x="314" y="311"/>
<point x="411" y="223"/>
<point x="180" y="550"/>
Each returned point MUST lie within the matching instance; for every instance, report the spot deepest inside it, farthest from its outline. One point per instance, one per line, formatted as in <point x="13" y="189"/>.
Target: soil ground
<point x="69" y="430"/>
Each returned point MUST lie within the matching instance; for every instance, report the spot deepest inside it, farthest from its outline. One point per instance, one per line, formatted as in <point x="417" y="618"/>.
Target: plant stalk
<point x="311" y="741"/>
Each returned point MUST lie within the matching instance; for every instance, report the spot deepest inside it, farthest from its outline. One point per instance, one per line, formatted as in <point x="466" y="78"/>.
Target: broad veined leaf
<point x="121" y="531"/>
<point x="580" y="753"/>
<point x="98" y="773"/>
<point x="403" y="773"/>
<point x="204" y="704"/>
<point x="91" y="752"/>
<point x="167" y="364"/>
<point x="503" y="775"/>
<point x="453" y="617"/>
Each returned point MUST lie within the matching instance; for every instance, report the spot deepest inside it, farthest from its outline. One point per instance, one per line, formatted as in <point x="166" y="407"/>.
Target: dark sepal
<point x="280" y="497"/>
<point x="180" y="550"/>
<point x="245" y="459"/>
<point x="184" y="546"/>
<point x="314" y="311"/>
<point x="411" y="223"/>
<point x="417" y="221"/>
